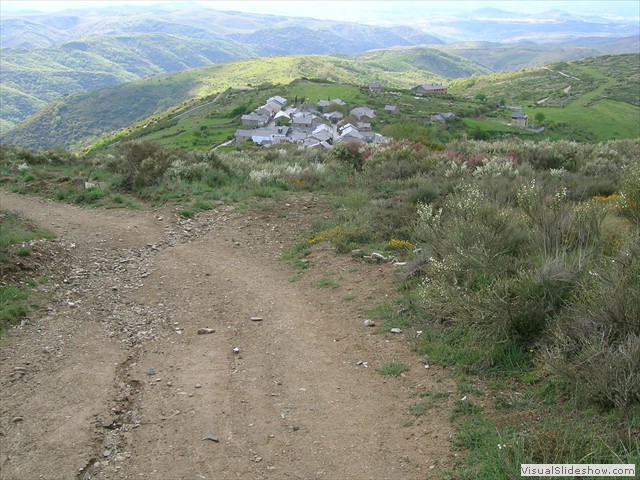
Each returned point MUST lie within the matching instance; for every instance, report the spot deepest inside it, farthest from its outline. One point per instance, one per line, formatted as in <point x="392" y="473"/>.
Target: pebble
<point x="17" y="419"/>
<point x="369" y="323"/>
<point x="212" y="437"/>
<point x="236" y="350"/>
<point x="197" y="385"/>
<point x="256" y="319"/>
<point x="395" y="330"/>
<point x="151" y="371"/>
<point x="205" y="331"/>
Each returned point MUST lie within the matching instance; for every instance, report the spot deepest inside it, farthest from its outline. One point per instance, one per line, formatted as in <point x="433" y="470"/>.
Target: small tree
<point x="539" y="117"/>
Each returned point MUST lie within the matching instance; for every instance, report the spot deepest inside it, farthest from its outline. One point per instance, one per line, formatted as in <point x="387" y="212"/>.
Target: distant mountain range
<point x="47" y="56"/>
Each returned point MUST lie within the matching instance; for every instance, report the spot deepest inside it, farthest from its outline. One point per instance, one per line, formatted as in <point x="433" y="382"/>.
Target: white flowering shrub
<point x="495" y="167"/>
<point x="186" y="171"/>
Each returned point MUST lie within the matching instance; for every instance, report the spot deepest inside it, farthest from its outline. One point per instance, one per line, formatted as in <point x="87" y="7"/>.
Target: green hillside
<point x="417" y="59"/>
<point x="87" y="64"/>
<point x="594" y="99"/>
<point x="514" y="56"/>
<point x="77" y="120"/>
<point x="210" y="122"/>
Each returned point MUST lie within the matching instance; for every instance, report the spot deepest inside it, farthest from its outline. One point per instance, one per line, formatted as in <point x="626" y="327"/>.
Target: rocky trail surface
<point x="187" y="349"/>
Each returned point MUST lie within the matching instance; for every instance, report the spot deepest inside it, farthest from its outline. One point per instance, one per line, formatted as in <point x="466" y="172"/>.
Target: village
<point x="322" y="124"/>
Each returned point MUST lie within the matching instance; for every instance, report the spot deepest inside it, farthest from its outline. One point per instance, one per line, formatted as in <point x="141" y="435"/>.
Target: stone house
<point x="334" y="117"/>
<point x="306" y="122"/>
<point x="520" y="119"/>
<point x="392" y="109"/>
<point x="282" y="102"/>
<point x="254" y="120"/>
<point x="363" y="114"/>
<point x="431" y="88"/>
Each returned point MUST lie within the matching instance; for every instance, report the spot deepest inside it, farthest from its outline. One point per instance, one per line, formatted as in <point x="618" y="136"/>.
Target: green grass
<point x="16" y="229"/>
<point x="315" y="92"/>
<point x="387" y="315"/>
<point x="327" y="282"/>
<point x="603" y="119"/>
<point x="16" y="300"/>
<point x="489" y="449"/>
<point x="597" y="102"/>
<point x="428" y="400"/>
<point x="393" y="369"/>
<point x="14" y="305"/>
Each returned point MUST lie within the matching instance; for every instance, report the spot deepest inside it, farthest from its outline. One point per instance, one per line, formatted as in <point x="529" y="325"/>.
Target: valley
<point x="45" y="58"/>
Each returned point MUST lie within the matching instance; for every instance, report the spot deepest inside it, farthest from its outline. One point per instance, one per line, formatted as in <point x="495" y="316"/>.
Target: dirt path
<point x="113" y="380"/>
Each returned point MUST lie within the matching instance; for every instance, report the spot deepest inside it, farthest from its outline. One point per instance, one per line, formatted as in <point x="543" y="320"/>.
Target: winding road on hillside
<point x="112" y="379"/>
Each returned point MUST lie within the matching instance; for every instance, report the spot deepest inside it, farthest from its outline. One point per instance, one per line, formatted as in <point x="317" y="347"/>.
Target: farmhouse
<point x="282" y="117"/>
<point x="363" y="114"/>
<point x="442" y="117"/>
<point x="364" y="127"/>
<point x="262" y="136"/>
<point x="334" y="117"/>
<point x="323" y="104"/>
<point x="392" y="109"/>
<point x="278" y="100"/>
<point x="430" y="88"/>
<point x="305" y="122"/>
<point x="519" y="119"/>
<point x="375" y="87"/>
<point x="254" y="120"/>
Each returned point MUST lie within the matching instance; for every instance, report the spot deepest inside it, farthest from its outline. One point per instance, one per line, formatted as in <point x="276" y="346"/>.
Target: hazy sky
<point x="362" y="11"/>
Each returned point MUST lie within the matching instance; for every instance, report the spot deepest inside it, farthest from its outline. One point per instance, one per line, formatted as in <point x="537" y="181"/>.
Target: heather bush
<point x="595" y="343"/>
<point x="349" y="154"/>
<point x="630" y="194"/>
<point x="142" y="164"/>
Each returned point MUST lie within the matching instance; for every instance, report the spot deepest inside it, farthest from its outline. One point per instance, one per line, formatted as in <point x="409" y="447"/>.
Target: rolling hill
<point x="47" y="56"/>
<point x="76" y="120"/>
<point x="595" y="98"/>
<point x="515" y="56"/>
<point x="43" y="74"/>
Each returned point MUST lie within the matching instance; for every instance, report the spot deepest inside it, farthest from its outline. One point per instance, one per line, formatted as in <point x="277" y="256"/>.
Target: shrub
<point x="630" y="194"/>
<point x="349" y="154"/>
<point x="595" y="343"/>
<point x="142" y="164"/>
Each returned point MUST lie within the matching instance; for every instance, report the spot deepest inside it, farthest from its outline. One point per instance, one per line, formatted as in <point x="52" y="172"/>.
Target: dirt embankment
<point x="112" y="380"/>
